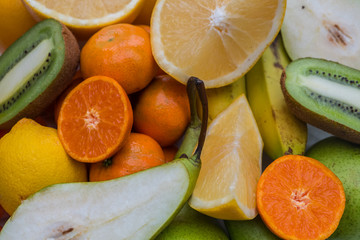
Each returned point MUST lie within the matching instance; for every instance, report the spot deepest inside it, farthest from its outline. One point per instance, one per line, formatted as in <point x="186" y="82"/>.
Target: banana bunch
<point x="220" y="98"/>
<point x="281" y="132"/>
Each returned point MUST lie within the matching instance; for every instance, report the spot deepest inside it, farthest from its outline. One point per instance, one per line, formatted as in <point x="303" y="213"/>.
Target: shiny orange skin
<point x="120" y="51"/>
<point x="162" y="110"/>
<point x="140" y="152"/>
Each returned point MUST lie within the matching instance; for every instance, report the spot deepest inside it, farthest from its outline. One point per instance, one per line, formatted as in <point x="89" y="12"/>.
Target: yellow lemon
<point x="85" y="17"/>
<point x="216" y="41"/>
<point x="14" y="22"/>
<point x="31" y="158"/>
<point x="231" y="165"/>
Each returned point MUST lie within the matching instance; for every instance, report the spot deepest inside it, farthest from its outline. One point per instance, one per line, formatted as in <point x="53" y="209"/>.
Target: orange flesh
<point x="299" y="198"/>
<point x="94" y="119"/>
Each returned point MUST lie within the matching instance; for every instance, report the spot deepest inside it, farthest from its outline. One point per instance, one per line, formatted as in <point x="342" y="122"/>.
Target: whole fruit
<point x="15" y="21"/>
<point x="343" y="159"/>
<point x="31" y="158"/>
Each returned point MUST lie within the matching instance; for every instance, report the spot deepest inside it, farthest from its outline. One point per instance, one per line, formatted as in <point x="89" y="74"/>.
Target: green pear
<point x="137" y="206"/>
<point x="343" y="158"/>
<point x="192" y="225"/>
<point x="254" y="229"/>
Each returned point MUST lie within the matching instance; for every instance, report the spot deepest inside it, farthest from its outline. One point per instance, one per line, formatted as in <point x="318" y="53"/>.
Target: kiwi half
<point x="35" y="69"/>
<point x="324" y="94"/>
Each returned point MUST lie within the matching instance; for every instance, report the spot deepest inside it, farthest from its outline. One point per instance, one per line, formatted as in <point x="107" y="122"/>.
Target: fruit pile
<point x="175" y="119"/>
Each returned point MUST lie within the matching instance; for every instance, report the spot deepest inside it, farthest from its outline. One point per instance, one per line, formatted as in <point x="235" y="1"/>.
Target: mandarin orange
<point x="123" y="52"/>
<point x="140" y="152"/>
<point x="95" y="119"/>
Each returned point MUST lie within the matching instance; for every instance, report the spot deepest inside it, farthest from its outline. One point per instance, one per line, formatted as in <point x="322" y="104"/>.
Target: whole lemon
<point x="31" y="158"/>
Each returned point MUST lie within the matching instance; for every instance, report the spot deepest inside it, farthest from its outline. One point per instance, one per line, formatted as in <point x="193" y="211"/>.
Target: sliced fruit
<point x="136" y="206"/>
<point x="35" y="70"/>
<point x="280" y="130"/>
<point x="216" y="41"/>
<point x="231" y="165"/>
<point x="95" y="119"/>
<point x="300" y="198"/>
<point x="85" y="17"/>
<point x="324" y="94"/>
<point x="323" y="29"/>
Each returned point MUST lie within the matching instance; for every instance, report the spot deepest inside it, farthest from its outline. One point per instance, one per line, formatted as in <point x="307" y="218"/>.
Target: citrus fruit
<point x="139" y="152"/>
<point x="123" y="52"/>
<point x="216" y="41"/>
<point x="31" y="158"/>
<point x="300" y="198"/>
<point x="170" y="152"/>
<point x="15" y="21"/>
<point x="162" y="110"/>
<point x="231" y="165"/>
<point x="85" y="17"/>
<point x="94" y="120"/>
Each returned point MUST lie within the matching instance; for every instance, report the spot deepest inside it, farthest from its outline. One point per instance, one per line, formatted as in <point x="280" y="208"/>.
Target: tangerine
<point x="170" y="152"/>
<point x="95" y="119"/>
<point x="123" y="52"/>
<point x="162" y="110"/>
<point x="140" y="152"/>
<point x="300" y="198"/>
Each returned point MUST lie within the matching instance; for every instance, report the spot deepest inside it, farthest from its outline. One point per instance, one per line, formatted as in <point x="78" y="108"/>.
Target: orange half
<point x="95" y="119"/>
<point x="300" y="198"/>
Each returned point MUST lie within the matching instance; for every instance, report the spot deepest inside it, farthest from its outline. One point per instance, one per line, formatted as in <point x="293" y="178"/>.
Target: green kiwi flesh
<point x="35" y="69"/>
<point x="324" y="94"/>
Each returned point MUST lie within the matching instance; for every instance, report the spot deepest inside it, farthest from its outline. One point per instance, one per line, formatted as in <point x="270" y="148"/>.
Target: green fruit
<point x="192" y="225"/>
<point x="137" y="206"/>
<point x="254" y="229"/>
<point x="324" y="94"/>
<point x="343" y="158"/>
<point x="35" y="69"/>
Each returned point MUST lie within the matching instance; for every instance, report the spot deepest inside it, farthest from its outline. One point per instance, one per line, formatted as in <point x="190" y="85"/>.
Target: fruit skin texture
<point x="254" y="229"/>
<point x="162" y="110"/>
<point x="69" y="52"/>
<point x="139" y="152"/>
<point x="120" y="51"/>
<point x="192" y="225"/>
<point x="15" y="21"/>
<point x="330" y="119"/>
<point x="342" y="157"/>
<point x="309" y="198"/>
<point x="142" y="204"/>
<point x="280" y="130"/>
<point x="32" y="157"/>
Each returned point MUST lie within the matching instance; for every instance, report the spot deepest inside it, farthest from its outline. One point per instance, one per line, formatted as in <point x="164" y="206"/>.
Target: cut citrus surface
<point x="300" y="198"/>
<point x="95" y="119"/>
<point x="216" y="41"/>
<point x="231" y="165"/>
<point x="85" y="17"/>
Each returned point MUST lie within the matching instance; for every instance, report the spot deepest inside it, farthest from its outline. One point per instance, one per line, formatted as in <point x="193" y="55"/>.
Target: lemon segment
<point x="216" y="41"/>
<point x="231" y="165"/>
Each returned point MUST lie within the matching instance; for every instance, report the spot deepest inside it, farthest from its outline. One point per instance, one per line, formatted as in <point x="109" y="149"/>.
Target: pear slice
<point x="323" y="29"/>
<point x="136" y="206"/>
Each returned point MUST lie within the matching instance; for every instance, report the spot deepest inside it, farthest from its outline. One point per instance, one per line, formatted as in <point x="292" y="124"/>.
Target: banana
<point x="281" y="131"/>
<point x="220" y="98"/>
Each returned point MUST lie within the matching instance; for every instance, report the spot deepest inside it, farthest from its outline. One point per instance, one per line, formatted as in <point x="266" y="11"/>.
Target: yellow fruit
<point x="216" y="41"/>
<point x="231" y="165"/>
<point x="32" y="157"/>
<point x="145" y="13"/>
<point x="85" y="17"/>
<point x="14" y="22"/>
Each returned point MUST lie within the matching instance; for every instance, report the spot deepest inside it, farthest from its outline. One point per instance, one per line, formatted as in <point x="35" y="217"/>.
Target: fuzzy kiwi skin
<point x="316" y="119"/>
<point x="62" y="80"/>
